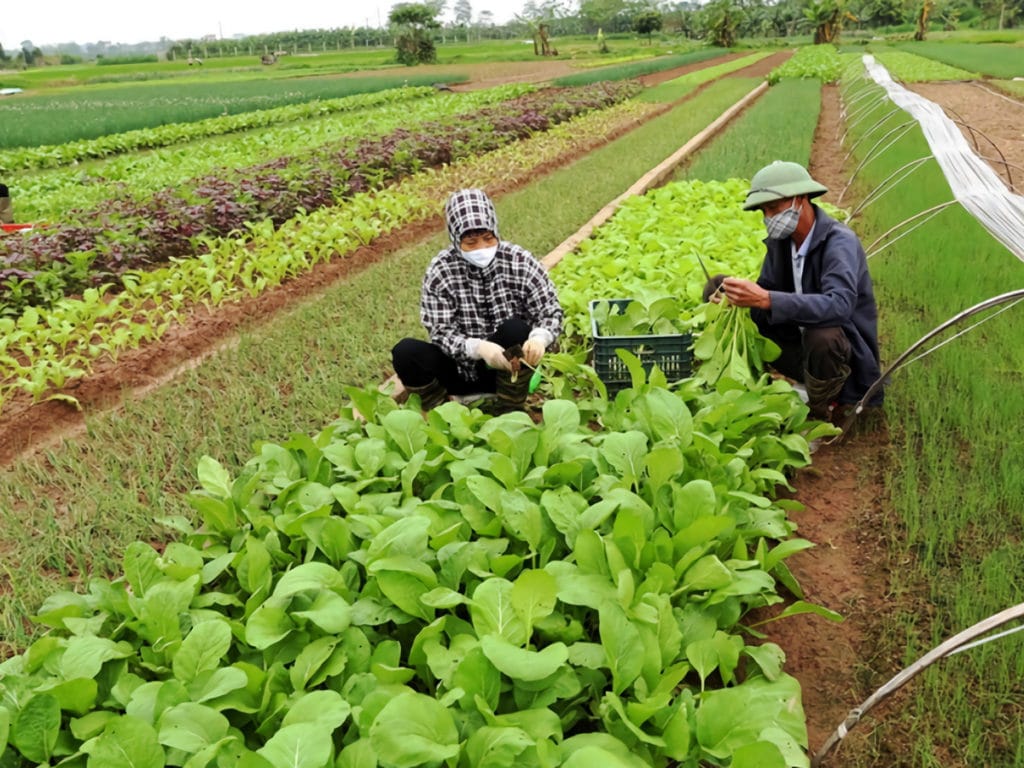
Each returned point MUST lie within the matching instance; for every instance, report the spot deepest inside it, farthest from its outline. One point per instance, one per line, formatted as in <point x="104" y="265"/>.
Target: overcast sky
<point x="47" y="22"/>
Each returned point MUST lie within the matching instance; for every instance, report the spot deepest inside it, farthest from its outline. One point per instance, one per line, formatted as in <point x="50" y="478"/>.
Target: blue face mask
<point x="783" y="224"/>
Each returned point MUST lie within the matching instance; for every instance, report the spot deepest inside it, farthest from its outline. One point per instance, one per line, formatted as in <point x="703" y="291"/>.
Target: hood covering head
<point x="781" y="180"/>
<point x="469" y="209"/>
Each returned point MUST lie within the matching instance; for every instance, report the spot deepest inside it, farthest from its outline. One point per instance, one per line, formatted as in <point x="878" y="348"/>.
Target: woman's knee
<point x="407" y="358"/>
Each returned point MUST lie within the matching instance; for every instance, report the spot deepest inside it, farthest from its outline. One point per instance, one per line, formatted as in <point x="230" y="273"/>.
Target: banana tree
<point x="827" y="17"/>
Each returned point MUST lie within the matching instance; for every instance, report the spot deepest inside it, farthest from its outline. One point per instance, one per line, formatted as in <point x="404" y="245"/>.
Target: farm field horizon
<point x="229" y="376"/>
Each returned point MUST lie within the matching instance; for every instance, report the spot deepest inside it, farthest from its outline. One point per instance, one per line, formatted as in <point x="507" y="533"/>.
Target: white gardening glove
<point x="533" y="351"/>
<point x="493" y="355"/>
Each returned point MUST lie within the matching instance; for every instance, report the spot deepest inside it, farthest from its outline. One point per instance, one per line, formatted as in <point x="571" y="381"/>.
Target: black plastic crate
<point x="671" y="353"/>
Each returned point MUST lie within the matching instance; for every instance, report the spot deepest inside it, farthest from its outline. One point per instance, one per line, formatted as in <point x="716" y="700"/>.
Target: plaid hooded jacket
<point x="460" y="301"/>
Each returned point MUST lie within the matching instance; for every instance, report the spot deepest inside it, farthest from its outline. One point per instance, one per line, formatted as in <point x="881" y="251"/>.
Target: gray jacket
<point x="837" y="291"/>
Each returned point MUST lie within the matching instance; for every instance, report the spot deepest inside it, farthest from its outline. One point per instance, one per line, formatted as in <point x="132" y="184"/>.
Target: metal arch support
<point x="872" y="153"/>
<point x="866" y="109"/>
<point x="958" y="642"/>
<point x="895" y="178"/>
<point x="851" y="101"/>
<point x="921" y="217"/>
<point x="1011" y="298"/>
<point x="860" y="81"/>
<point x="851" y="105"/>
<point x="867" y="133"/>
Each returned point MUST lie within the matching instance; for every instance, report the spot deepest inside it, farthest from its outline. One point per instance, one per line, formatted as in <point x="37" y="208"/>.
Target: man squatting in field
<point x="480" y="297"/>
<point x="814" y="297"/>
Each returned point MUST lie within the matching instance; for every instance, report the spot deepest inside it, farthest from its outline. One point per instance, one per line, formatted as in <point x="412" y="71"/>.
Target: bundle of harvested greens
<point x="731" y="346"/>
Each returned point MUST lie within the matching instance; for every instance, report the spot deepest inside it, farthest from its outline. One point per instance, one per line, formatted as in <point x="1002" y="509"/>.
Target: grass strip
<point x="769" y="130"/>
<point x="70" y="117"/>
<point x="992" y="59"/>
<point x="639" y="68"/>
<point x="684" y="85"/>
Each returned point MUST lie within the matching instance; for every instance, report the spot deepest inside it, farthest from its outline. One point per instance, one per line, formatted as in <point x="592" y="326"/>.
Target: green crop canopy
<point x="778" y="181"/>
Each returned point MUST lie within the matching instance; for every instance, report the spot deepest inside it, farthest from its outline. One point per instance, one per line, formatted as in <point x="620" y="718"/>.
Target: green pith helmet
<point x="778" y="181"/>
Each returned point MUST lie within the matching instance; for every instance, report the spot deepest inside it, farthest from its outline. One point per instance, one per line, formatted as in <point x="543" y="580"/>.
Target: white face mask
<point x="782" y="224"/>
<point x="481" y="257"/>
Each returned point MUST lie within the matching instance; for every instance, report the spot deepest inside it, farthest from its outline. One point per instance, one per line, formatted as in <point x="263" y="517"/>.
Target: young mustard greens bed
<point x="457" y="590"/>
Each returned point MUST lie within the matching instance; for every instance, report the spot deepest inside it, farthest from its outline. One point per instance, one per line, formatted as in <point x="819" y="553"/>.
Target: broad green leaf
<point x="623" y="646"/>
<point x="326" y="709"/>
<point x="92" y="724"/>
<point x="485" y="490"/>
<point x="77" y="696"/>
<point x="694" y="501"/>
<point x="534" y="595"/>
<point x="191" y="727"/>
<point x="214" y="478"/>
<point x="126" y="742"/>
<point x="520" y="663"/>
<point x="707" y="573"/>
<point x="575" y="588"/>
<point x="564" y="506"/>
<point x="720" y="652"/>
<point x="678" y="733"/>
<point x="215" y="683"/>
<point x="493" y="613"/>
<point x="140" y="567"/>
<point x="330" y="612"/>
<point x="303" y="745"/>
<point x="769" y="657"/>
<point x="308" y="576"/>
<point x="202" y="649"/>
<point x="310" y="660"/>
<point x="360" y="753"/>
<point x="85" y="656"/>
<point x="369" y="455"/>
<point x="760" y="754"/>
<point x="478" y="677"/>
<point x="36" y="727"/>
<point x="664" y="417"/>
<point x="159" y="612"/>
<point x="589" y="750"/>
<point x="442" y="597"/>
<point x="490" y="747"/>
<point x="412" y="730"/>
<point x="407" y="430"/>
<point x="614" y="704"/>
<point x="179" y="561"/>
<point x="268" y="624"/>
<point x="407" y="536"/>
<point x="730" y="718"/>
<point x="406" y="592"/>
<point x="625" y="452"/>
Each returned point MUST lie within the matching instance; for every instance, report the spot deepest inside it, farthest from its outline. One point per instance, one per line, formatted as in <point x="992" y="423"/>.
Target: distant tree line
<point x="413" y="29"/>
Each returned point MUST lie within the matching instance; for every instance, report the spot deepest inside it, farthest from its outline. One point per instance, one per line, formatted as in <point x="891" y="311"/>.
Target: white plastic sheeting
<point x="973" y="182"/>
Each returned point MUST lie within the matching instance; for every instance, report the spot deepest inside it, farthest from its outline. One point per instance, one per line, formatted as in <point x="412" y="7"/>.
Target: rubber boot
<point x="822" y="393"/>
<point x="510" y="395"/>
<point x="431" y="395"/>
<point x="6" y="212"/>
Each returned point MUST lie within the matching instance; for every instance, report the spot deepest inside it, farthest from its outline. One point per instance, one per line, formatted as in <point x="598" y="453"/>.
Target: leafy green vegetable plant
<point x="456" y="589"/>
<point x="730" y="345"/>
